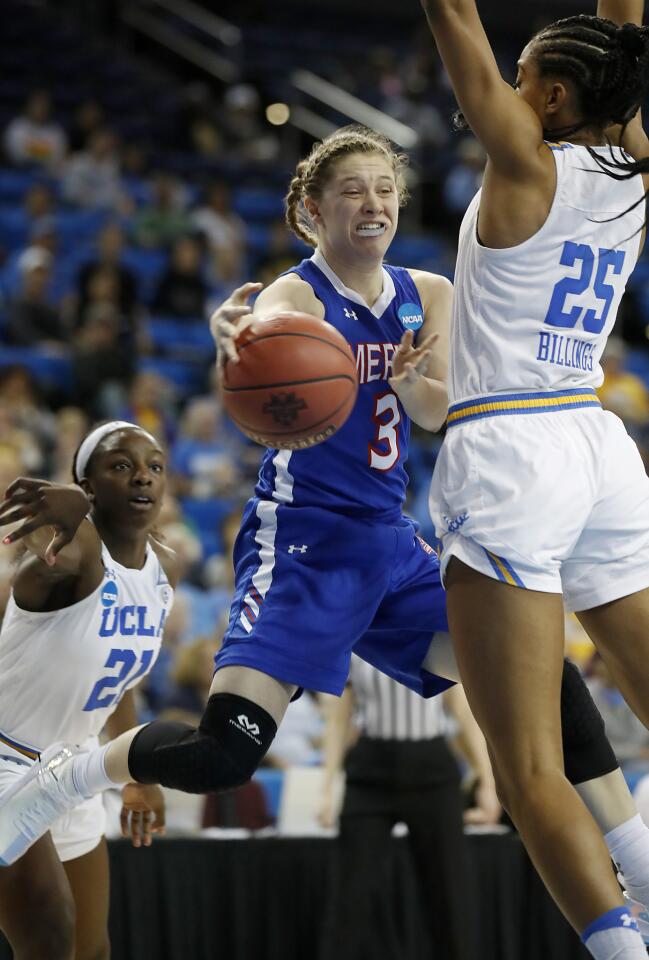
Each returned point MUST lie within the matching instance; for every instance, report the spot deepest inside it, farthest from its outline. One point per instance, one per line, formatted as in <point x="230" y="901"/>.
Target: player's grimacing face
<point x="127" y="478"/>
<point x="359" y="207"/>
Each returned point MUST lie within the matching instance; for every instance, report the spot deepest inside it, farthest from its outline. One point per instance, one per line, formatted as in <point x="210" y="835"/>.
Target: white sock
<point x="614" y="936"/>
<point x="629" y="848"/>
<point x="89" y="773"/>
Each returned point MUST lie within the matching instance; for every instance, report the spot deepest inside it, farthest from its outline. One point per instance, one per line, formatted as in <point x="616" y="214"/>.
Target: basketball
<point x="295" y="383"/>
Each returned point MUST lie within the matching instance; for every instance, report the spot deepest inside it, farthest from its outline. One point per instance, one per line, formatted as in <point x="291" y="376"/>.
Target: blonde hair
<point x="313" y="173"/>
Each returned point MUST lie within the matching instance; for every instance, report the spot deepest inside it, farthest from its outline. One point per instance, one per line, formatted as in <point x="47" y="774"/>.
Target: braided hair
<point x="312" y="173"/>
<point x="608" y="65"/>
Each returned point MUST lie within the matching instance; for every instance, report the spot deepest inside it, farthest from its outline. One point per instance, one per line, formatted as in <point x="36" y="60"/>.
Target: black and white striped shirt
<point x="390" y="711"/>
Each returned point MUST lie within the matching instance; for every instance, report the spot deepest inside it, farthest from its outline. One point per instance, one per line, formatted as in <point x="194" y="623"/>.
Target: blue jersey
<point x="360" y="470"/>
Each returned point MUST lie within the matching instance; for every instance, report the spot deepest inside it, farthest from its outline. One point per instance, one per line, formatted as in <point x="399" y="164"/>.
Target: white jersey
<point x="63" y="673"/>
<point x="535" y="317"/>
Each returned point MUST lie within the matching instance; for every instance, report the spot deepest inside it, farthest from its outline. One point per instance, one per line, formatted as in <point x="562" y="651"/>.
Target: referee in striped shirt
<point x="401" y="769"/>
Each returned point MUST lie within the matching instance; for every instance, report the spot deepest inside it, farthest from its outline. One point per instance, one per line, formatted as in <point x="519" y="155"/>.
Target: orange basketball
<point x="295" y="383"/>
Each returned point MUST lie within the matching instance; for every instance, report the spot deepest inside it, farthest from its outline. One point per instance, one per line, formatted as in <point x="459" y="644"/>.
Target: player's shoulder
<point x="289" y="292"/>
<point x="431" y="286"/>
<point x="168" y="559"/>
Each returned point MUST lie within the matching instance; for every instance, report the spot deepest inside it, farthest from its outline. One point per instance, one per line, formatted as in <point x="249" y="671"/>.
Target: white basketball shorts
<point x="79" y="831"/>
<point x="555" y="500"/>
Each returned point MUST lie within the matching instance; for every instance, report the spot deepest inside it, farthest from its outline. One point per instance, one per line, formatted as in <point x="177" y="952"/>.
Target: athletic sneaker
<point x="640" y="914"/>
<point x="28" y="809"/>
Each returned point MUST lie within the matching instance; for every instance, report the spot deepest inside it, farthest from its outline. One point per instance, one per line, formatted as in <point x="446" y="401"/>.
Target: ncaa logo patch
<point x="109" y="593"/>
<point x="165" y="594"/>
<point x="411" y="316"/>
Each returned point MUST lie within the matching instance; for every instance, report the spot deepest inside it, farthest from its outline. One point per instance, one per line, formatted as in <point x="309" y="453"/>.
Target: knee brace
<point x="587" y="754"/>
<point x="224" y="752"/>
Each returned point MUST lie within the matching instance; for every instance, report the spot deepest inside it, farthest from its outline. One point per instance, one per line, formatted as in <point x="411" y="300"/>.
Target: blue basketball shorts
<point x="312" y="587"/>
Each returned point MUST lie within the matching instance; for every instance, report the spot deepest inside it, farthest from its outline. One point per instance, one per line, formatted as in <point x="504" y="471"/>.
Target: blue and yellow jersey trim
<point x="505" y="404"/>
<point x="26" y="751"/>
<point x="559" y="145"/>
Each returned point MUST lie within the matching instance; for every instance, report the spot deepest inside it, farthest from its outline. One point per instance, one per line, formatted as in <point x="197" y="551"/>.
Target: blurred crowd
<point x="113" y="254"/>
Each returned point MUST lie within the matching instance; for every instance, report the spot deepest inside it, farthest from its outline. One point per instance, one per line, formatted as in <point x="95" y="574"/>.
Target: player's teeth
<point x="371" y="228"/>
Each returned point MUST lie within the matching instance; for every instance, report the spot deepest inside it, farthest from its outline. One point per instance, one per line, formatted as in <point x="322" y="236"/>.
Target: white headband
<point x="94" y="438"/>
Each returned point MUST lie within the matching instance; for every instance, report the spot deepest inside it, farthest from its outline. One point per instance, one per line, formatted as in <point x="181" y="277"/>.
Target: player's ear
<point x="312" y="208"/>
<point x="87" y="489"/>
<point x="556" y="97"/>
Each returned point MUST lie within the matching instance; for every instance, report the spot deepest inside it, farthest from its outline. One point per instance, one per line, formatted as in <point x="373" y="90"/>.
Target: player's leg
<point x="620" y="630"/>
<point x="509" y="647"/>
<point x="89" y="880"/>
<point x="37" y="912"/>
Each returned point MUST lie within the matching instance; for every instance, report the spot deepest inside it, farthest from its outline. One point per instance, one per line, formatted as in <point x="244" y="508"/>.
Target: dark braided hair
<point x="608" y="65"/>
<point x="609" y="69"/>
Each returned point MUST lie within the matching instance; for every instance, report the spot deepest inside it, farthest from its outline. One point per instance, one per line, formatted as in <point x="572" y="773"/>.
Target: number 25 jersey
<point x="536" y="316"/>
<point x="360" y="470"/>
<point x="63" y="672"/>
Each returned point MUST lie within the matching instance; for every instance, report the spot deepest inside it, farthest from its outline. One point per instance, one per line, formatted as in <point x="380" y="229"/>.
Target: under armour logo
<point x="284" y="408"/>
<point x="295" y="549"/>
<point x="350" y="314"/>
<point x="250" y="727"/>
<point x="628" y="921"/>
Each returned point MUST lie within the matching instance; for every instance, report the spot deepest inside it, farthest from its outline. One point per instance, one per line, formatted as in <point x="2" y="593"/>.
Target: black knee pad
<point x="587" y="754"/>
<point x="224" y="752"/>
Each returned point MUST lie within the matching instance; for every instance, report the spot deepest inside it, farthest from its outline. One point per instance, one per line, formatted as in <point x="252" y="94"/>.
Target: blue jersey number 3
<point x="558" y="315"/>
<point x="124" y="660"/>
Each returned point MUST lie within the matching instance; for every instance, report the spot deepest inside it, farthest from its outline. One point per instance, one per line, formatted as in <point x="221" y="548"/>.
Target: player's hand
<point x="410" y="362"/>
<point x="230" y="319"/>
<point x="143" y="813"/>
<point x="41" y="503"/>
<point x="488" y="809"/>
<point x="326" y="813"/>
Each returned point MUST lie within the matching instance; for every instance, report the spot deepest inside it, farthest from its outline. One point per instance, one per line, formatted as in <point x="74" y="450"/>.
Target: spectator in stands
<point x="31" y="318"/>
<point x="39" y="204"/>
<point x="18" y="445"/>
<point x="164" y="220"/>
<point x="200" y="461"/>
<point x="103" y="364"/>
<point x="628" y="735"/>
<point x="198" y="122"/>
<point x="110" y="246"/>
<point x="70" y="429"/>
<point x="191" y="677"/>
<point x="279" y="253"/>
<point x="224" y="231"/>
<point x="464" y="179"/>
<point x="623" y="392"/>
<point x="150" y="404"/>
<point x="20" y="397"/>
<point x="103" y="295"/>
<point x="92" y="176"/>
<point x="89" y="117"/>
<point x="34" y="137"/>
<point x="247" y="137"/>
<point x="182" y="290"/>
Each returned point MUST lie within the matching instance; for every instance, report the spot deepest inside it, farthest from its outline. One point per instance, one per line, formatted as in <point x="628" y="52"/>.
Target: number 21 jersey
<point x="536" y="316"/>
<point x="62" y="673"/>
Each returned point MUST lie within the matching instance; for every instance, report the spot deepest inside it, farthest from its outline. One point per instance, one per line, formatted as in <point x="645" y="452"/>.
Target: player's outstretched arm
<point x="505" y="124"/>
<point x="420" y="366"/>
<point x="53" y="528"/>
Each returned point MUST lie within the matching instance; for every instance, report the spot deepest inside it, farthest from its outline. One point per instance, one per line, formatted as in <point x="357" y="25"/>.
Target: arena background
<point x="171" y="130"/>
